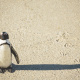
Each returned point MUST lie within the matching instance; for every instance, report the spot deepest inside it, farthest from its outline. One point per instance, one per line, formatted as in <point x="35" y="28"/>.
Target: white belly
<point x="5" y="56"/>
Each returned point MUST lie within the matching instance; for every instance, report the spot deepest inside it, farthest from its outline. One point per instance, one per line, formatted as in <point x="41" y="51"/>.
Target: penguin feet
<point x="10" y="69"/>
<point x="2" y="70"/>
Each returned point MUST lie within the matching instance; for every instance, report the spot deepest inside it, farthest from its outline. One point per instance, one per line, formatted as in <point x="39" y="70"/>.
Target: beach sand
<point x="46" y="36"/>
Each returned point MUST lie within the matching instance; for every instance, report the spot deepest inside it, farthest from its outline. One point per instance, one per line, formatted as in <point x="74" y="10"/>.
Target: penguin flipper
<point x="15" y="54"/>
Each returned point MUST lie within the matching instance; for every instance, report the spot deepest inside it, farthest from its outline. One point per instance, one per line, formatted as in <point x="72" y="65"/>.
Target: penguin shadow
<point x="45" y="67"/>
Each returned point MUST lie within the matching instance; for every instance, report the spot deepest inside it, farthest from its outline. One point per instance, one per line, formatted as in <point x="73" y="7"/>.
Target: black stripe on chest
<point x="4" y="44"/>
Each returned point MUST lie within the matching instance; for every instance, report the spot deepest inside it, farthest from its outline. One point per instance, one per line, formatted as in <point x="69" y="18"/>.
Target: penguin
<point x="6" y="51"/>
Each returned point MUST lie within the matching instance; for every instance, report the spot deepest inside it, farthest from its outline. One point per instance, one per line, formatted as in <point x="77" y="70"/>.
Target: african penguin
<point x="6" y="51"/>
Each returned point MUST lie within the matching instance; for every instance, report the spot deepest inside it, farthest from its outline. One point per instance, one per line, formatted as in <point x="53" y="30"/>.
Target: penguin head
<point x="4" y="36"/>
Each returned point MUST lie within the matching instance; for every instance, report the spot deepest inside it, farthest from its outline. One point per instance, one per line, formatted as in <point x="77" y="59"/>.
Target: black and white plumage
<point x="6" y="51"/>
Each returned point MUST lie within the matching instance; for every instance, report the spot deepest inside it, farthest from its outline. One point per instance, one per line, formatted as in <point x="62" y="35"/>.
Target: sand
<point x="46" y="36"/>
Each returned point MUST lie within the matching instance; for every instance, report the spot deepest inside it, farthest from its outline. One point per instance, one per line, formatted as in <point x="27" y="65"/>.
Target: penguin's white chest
<point x="5" y="56"/>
